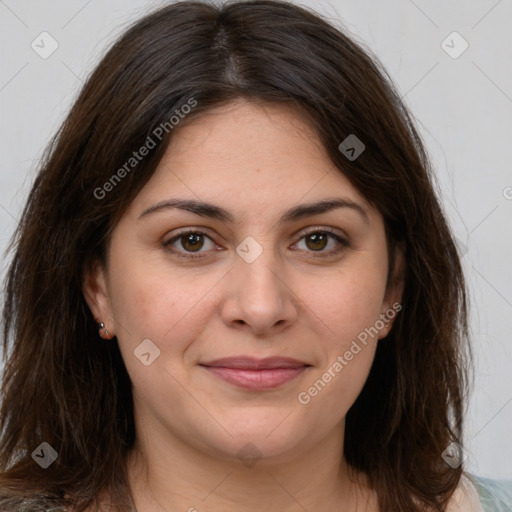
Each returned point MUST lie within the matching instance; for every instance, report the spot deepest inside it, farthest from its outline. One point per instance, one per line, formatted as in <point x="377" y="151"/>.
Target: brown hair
<point x="64" y="385"/>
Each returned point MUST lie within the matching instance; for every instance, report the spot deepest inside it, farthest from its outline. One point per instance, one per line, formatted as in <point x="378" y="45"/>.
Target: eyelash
<point x="343" y="243"/>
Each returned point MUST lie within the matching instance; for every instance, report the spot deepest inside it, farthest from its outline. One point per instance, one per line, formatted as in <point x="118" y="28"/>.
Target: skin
<point x="256" y="161"/>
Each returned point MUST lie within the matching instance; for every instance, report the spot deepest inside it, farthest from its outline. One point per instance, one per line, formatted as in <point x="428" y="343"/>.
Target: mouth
<point x="256" y="374"/>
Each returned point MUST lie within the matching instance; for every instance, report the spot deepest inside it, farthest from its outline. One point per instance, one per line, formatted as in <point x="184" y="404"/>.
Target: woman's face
<point x="267" y="282"/>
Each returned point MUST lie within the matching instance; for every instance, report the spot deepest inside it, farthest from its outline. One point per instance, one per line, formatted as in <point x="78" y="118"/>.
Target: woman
<point x="233" y="285"/>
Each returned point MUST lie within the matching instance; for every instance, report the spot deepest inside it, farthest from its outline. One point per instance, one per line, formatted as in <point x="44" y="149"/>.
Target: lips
<point x="256" y="374"/>
<point x="252" y="363"/>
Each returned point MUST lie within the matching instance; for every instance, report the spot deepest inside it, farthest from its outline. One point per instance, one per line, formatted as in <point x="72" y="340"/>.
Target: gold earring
<point x="102" y="328"/>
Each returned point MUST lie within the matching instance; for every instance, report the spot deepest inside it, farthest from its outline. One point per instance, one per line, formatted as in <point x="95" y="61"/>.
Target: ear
<point x="391" y="304"/>
<point x="95" y="290"/>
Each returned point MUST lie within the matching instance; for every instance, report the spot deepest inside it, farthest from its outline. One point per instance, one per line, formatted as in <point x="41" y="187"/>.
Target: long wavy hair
<point x="62" y="384"/>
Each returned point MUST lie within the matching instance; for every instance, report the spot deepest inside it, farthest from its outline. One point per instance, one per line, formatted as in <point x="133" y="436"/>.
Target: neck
<point x="182" y="477"/>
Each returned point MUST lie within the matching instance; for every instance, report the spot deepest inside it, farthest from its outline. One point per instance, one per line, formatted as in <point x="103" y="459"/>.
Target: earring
<point x="102" y="328"/>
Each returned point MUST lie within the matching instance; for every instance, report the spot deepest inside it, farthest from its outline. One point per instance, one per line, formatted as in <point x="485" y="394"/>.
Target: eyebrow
<point x="293" y="214"/>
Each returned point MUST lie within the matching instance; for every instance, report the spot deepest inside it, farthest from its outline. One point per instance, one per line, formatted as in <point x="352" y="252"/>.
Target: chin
<point x="272" y="439"/>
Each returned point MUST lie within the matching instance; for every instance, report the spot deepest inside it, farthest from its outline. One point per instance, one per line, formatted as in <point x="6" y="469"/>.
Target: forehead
<point x="248" y="157"/>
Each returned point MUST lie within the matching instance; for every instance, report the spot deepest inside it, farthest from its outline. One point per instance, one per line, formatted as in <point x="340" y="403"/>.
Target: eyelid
<point x="339" y="236"/>
<point x="314" y="229"/>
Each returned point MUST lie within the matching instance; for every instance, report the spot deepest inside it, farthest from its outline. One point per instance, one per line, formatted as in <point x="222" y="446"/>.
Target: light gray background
<point x="463" y="105"/>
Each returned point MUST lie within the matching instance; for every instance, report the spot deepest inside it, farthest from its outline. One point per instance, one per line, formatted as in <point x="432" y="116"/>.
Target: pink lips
<point x="256" y="374"/>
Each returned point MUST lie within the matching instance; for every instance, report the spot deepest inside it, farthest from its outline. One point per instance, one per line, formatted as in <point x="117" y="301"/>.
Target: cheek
<point x="348" y="314"/>
<point x="168" y="308"/>
<point x="348" y="303"/>
<point x="350" y="307"/>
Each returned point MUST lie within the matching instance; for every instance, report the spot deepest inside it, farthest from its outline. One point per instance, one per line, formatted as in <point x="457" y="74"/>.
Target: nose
<point x="259" y="299"/>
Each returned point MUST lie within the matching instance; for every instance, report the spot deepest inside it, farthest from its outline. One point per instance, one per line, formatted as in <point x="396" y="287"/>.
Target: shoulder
<point x="494" y="495"/>
<point x="465" y="497"/>
<point x="479" y="494"/>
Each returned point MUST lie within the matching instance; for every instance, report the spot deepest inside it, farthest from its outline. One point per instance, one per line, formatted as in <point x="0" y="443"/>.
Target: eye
<point x="191" y="241"/>
<point x="316" y="240"/>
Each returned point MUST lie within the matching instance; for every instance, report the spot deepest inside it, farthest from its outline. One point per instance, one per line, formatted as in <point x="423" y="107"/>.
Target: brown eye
<point x="318" y="241"/>
<point x="192" y="241"/>
<point x="186" y="243"/>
